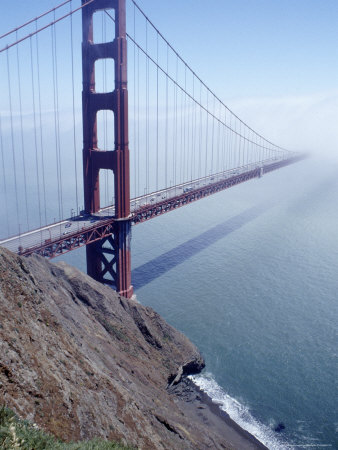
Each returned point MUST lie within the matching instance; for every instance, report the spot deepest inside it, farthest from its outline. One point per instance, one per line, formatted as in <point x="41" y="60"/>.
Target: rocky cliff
<point x="81" y="361"/>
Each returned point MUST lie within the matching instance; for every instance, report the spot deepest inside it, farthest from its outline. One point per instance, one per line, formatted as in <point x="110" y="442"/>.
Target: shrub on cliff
<point x="20" y="434"/>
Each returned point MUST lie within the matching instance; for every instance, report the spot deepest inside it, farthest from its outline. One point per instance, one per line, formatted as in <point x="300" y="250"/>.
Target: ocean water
<point x="250" y="275"/>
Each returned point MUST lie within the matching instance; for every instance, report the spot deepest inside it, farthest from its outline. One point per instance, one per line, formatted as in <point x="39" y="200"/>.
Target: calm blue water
<point x="250" y="275"/>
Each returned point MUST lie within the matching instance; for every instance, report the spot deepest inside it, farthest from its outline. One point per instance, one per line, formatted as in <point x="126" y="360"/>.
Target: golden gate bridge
<point x="172" y="142"/>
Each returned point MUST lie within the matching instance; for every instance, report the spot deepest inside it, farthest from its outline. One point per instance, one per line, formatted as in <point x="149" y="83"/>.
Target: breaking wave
<point x="238" y="412"/>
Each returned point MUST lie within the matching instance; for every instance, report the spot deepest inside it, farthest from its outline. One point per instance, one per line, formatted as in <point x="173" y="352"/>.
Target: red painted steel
<point x="153" y="210"/>
<point x="55" y="247"/>
<point x="106" y="228"/>
<point x="117" y="160"/>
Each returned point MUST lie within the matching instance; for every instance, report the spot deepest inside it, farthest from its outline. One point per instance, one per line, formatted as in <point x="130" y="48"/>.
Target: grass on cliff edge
<point x="16" y="433"/>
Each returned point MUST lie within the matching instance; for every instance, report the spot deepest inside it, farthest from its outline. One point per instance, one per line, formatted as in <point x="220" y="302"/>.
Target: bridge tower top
<point x="95" y="159"/>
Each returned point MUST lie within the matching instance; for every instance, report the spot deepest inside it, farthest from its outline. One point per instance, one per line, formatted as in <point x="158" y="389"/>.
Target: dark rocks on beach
<point x="81" y="361"/>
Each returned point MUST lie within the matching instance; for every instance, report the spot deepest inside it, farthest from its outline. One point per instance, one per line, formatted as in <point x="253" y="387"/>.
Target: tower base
<point x="109" y="260"/>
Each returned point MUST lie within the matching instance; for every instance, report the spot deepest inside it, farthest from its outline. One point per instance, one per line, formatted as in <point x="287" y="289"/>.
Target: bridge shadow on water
<point x="151" y="270"/>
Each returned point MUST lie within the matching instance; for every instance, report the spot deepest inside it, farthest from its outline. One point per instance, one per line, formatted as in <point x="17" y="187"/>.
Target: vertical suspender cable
<point x="244" y="145"/>
<point x="227" y="139"/>
<point x="40" y="125"/>
<point x="212" y="138"/>
<point x="218" y="169"/>
<point x="235" y="144"/>
<point x="74" y="121"/>
<point x="58" y="119"/>
<point x="138" y="122"/>
<point x="193" y="134"/>
<point x="222" y="144"/>
<point x="188" y="140"/>
<point x="247" y="147"/>
<point x="240" y="162"/>
<point x="147" y="114"/>
<point x="21" y="133"/>
<point x="166" y="122"/>
<point x="256" y="154"/>
<point x="251" y="147"/>
<point x="12" y="139"/>
<point x="134" y="118"/>
<point x="56" y="128"/>
<point x="157" y="136"/>
<point x="184" y="122"/>
<point x="4" y="177"/>
<point x="232" y="143"/>
<point x="175" y="125"/>
<point x="247" y="135"/>
<point x="182" y="138"/>
<point x="225" y="142"/>
<point x="239" y="136"/>
<point x="35" y="133"/>
<point x="206" y="137"/>
<point x="200" y="136"/>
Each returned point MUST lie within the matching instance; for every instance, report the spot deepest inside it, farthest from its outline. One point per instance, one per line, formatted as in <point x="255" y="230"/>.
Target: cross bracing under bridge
<point x="184" y="142"/>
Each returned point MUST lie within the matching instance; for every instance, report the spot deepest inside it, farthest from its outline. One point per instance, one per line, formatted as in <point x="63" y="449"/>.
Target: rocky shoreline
<point x="81" y="361"/>
<point x="211" y="414"/>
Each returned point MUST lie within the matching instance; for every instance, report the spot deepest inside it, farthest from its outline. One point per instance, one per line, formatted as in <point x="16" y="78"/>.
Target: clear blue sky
<point x="255" y="47"/>
<point x="240" y="47"/>
<point x="272" y="61"/>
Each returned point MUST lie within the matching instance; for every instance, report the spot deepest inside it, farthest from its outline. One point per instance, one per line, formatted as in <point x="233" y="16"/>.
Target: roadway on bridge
<point x="84" y="222"/>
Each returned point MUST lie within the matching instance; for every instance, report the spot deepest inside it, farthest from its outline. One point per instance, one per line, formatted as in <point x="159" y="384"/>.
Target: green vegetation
<point x="20" y="434"/>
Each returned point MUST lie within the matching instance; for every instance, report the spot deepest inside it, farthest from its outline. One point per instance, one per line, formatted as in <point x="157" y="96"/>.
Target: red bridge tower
<point x="109" y="256"/>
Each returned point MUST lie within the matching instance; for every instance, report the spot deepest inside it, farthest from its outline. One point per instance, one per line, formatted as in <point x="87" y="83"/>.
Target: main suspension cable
<point x="14" y="30"/>
<point x="45" y="27"/>
<point x="198" y="78"/>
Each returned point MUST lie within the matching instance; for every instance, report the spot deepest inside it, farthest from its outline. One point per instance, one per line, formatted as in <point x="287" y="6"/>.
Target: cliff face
<point x="81" y="361"/>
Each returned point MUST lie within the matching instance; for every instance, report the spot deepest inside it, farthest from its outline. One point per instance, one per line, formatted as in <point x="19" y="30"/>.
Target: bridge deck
<point x="61" y="237"/>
